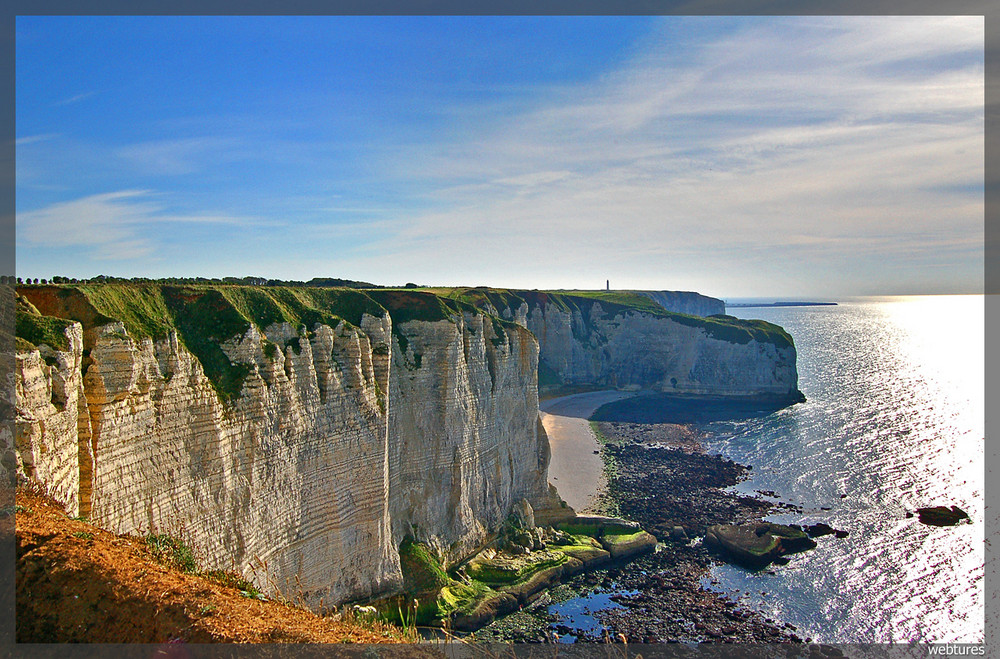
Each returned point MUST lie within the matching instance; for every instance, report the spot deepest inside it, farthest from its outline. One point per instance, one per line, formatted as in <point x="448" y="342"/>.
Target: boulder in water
<point x="757" y="545"/>
<point x="942" y="515"/>
<point x="821" y="529"/>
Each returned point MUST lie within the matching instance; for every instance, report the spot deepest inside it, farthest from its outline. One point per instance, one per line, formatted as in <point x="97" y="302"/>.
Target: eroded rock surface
<point x="335" y="446"/>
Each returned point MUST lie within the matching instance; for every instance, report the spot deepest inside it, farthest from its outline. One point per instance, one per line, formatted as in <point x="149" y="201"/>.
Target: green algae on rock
<point x="759" y="544"/>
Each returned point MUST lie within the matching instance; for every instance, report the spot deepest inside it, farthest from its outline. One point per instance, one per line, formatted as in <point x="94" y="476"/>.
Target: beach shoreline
<point x="576" y="467"/>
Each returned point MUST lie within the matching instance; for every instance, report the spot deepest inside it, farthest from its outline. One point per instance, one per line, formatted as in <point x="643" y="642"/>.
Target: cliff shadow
<point x="666" y="408"/>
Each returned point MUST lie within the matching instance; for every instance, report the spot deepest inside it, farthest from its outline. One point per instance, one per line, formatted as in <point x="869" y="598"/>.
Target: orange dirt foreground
<point x="97" y="587"/>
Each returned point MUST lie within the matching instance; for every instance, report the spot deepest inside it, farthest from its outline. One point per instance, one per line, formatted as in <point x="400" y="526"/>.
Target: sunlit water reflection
<point x="894" y="420"/>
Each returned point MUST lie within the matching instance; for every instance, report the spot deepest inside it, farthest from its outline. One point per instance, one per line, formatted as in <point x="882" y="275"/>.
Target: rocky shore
<point x="660" y="477"/>
<point x="665" y="481"/>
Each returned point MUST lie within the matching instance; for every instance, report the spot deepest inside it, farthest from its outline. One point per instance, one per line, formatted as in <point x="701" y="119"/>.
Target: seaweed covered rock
<point x="757" y="545"/>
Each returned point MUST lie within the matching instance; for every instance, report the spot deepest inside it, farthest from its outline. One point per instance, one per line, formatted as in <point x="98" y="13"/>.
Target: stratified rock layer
<point x="601" y="342"/>
<point x="336" y="446"/>
<point x="299" y="435"/>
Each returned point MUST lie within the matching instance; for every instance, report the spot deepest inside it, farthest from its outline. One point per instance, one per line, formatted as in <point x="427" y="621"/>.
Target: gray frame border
<point x="991" y="282"/>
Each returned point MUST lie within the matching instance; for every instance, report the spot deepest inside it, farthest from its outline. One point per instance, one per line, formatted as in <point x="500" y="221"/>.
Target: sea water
<point x="893" y="421"/>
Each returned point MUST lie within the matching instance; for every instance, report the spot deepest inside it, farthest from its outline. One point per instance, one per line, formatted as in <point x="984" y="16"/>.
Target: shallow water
<point x="894" y="420"/>
<point x="577" y="613"/>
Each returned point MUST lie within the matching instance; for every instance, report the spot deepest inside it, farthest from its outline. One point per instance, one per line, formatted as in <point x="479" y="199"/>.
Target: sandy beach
<point x="576" y="468"/>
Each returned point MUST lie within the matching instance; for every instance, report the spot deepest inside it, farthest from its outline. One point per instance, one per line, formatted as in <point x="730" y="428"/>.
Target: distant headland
<point x="748" y="305"/>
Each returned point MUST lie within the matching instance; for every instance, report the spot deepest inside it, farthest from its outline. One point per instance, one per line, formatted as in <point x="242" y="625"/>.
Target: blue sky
<point x="795" y="156"/>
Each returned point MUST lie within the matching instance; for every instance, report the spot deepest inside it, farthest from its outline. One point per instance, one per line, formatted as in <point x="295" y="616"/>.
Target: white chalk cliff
<point x="339" y="438"/>
<point x="600" y="343"/>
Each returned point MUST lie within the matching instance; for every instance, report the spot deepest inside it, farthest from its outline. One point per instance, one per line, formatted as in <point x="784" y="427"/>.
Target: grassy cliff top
<point x="218" y="312"/>
<point x="725" y="328"/>
<point x="223" y="311"/>
<point x="206" y="315"/>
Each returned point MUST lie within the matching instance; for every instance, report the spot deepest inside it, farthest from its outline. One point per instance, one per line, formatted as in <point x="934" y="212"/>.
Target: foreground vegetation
<point x="78" y="583"/>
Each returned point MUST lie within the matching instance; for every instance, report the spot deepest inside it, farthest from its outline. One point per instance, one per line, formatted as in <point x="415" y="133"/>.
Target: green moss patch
<point x="508" y="570"/>
<point x="421" y="570"/>
<point x="430" y="595"/>
<point x="625" y="544"/>
<point x="462" y="597"/>
<point x="576" y="528"/>
<point x="172" y="551"/>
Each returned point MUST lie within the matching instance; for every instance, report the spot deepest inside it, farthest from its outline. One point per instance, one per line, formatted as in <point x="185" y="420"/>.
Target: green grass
<point x="172" y="551"/>
<point x="624" y="299"/>
<point x="735" y="330"/>
<point x="32" y="331"/>
<point x="204" y="319"/>
<point x="140" y="307"/>
<point x="232" y="580"/>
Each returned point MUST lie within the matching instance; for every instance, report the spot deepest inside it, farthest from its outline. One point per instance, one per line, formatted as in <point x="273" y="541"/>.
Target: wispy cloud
<point x="111" y="226"/>
<point x="31" y="139"/>
<point x="178" y="156"/>
<point x="817" y="134"/>
<point x="74" y="99"/>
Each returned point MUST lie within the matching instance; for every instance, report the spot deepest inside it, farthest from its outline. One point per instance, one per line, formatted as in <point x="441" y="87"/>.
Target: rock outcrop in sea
<point x="299" y="436"/>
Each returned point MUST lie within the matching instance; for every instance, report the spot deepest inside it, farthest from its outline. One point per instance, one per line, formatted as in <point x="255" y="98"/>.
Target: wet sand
<point x="576" y="467"/>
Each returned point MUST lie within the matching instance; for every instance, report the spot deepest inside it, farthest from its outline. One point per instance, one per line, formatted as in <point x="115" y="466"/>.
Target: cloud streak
<point x="74" y="99"/>
<point x="826" y="134"/>
<point x="117" y="226"/>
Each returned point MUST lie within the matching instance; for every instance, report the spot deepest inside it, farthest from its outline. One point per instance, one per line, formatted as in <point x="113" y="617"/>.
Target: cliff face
<point x="623" y="340"/>
<point x="48" y="388"/>
<point x="693" y="304"/>
<point x="462" y="420"/>
<point x="636" y="350"/>
<point x="335" y="446"/>
<point x="299" y="435"/>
